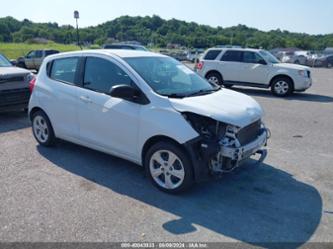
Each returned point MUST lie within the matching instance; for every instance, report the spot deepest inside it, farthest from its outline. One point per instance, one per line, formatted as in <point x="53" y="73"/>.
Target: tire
<point x="179" y="172"/>
<point x="282" y="87"/>
<point x="42" y="129"/>
<point x="215" y="78"/>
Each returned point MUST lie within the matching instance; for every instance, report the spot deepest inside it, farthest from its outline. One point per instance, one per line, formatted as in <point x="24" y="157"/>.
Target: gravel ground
<point x="70" y="193"/>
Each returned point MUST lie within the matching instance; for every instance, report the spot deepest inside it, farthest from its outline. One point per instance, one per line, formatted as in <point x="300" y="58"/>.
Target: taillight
<point x="32" y="83"/>
<point x="200" y="65"/>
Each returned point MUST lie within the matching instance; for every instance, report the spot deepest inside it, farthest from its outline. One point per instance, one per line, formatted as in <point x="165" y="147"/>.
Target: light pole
<point x="77" y="16"/>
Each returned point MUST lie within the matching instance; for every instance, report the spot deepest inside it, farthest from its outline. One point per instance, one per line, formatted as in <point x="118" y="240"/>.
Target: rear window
<point x="64" y="69"/>
<point x="212" y="54"/>
<point x="234" y="56"/>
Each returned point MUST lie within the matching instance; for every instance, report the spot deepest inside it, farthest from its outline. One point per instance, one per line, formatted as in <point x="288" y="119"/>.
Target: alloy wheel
<point x="40" y="129"/>
<point x="167" y="169"/>
<point x="281" y="87"/>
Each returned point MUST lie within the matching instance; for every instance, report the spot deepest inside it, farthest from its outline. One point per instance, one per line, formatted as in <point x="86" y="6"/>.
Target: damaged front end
<point x="222" y="147"/>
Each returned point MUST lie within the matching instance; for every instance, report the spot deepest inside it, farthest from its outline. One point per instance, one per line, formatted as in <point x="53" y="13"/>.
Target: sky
<point x="305" y="16"/>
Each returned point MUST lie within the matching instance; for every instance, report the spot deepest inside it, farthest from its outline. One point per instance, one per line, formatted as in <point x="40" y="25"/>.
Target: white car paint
<point x="122" y="128"/>
<point x="226" y="106"/>
<point x="254" y="74"/>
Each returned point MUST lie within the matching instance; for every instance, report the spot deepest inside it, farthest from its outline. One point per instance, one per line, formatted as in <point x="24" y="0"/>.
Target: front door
<point x="254" y="69"/>
<point x="109" y="123"/>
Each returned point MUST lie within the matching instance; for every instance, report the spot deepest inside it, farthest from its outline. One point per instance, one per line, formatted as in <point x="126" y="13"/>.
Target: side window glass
<point x="101" y="75"/>
<point x="39" y="54"/>
<point x="232" y="56"/>
<point x="212" y="54"/>
<point x="31" y="54"/>
<point x="64" y="69"/>
<point x="251" y="57"/>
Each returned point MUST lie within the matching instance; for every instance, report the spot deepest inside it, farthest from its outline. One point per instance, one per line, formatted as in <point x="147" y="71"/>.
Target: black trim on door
<point x="240" y="83"/>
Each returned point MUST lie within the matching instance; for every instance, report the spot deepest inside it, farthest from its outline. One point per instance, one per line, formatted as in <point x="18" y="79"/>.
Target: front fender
<point x="156" y="121"/>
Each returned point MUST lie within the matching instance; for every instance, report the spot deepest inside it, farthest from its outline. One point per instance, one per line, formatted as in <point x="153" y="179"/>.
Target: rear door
<point x="231" y="66"/>
<point x="59" y="96"/>
<point x="109" y="123"/>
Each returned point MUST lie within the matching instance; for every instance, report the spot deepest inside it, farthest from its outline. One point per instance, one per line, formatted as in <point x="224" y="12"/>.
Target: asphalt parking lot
<point x="70" y="193"/>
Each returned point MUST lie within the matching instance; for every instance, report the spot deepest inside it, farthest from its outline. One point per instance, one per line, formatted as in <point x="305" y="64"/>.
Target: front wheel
<point x="168" y="167"/>
<point x="42" y="129"/>
<point x="282" y="87"/>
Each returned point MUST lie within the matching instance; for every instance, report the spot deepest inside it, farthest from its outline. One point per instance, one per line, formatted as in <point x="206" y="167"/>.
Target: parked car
<point x="34" y="58"/>
<point x="323" y="61"/>
<point x="147" y="108"/>
<point x="194" y="55"/>
<point x="254" y="68"/>
<point x="14" y="86"/>
<point x="125" y="46"/>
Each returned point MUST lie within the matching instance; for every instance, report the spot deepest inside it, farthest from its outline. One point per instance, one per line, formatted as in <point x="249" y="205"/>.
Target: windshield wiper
<point x="175" y="95"/>
<point x="203" y="92"/>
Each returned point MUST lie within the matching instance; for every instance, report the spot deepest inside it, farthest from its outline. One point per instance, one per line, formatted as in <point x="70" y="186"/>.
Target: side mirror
<point x="128" y="93"/>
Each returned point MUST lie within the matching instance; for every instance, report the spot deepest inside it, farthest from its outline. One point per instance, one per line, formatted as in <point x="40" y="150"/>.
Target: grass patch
<point x="15" y="50"/>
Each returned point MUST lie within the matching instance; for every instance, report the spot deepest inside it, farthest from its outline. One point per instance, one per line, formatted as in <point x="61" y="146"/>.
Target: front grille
<point x="249" y="133"/>
<point x="13" y="97"/>
<point x="7" y="79"/>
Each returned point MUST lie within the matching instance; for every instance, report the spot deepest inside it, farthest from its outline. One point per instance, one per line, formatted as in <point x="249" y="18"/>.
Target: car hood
<point x="11" y="71"/>
<point x="291" y="66"/>
<point x="226" y="106"/>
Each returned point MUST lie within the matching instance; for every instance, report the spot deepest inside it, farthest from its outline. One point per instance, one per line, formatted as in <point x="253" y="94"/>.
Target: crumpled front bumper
<point x="246" y="151"/>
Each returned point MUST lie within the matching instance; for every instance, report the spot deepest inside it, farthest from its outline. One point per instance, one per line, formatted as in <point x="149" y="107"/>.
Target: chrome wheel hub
<point x="40" y="129"/>
<point x="167" y="169"/>
<point x="281" y="87"/>
<point x="213" y="80"/>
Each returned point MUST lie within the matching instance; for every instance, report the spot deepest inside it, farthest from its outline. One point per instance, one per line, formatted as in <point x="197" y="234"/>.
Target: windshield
<point x="4" y="62"/>
<point x="269" y="57"/>
<point x="168" y="77"/>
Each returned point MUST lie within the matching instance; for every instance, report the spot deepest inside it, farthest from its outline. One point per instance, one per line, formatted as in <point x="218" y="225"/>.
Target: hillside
<point x="160" y="32"/>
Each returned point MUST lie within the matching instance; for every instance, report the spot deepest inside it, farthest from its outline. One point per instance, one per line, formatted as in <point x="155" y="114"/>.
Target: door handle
<point x="85" y="99"/>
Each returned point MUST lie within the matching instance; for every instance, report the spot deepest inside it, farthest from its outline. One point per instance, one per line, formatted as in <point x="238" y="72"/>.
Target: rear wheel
<point x="282" y="87"/>
<point x="168" y="167"/>
<point x="42" y="129"/>
<point x="215" y="78"/>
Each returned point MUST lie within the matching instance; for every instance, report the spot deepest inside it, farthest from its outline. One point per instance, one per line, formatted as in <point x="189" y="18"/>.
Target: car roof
<point x="237" y="49"/>
<point x="122" y="53"/>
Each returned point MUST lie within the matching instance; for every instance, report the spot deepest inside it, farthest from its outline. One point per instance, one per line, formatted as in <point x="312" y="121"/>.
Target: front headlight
<point x="303" y="73"/>
<point x="205" y="126"/>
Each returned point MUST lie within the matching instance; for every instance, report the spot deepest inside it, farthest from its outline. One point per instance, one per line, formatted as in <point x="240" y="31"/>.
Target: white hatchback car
<point x="147" y="108"/>
<point x="253" y="68"/>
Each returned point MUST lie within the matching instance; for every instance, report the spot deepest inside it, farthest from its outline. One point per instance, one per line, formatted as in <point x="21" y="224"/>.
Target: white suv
<point x="147" y="108"/>
<point x="254" y="68"/>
